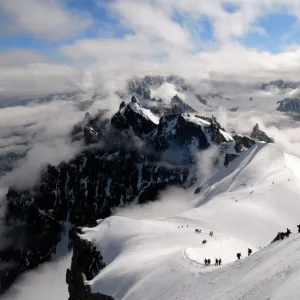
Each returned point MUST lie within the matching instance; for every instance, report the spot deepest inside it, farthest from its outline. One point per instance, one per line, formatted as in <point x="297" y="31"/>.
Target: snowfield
<point x="245" y="205"/>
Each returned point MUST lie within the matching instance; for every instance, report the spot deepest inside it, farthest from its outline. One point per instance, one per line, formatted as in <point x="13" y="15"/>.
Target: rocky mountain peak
<point x="123" y="104"/>
<point x="260" y="135"/>
<point x="133" y="100"/>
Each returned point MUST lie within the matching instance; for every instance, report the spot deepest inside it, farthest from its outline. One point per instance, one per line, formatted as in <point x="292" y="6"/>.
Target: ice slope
<point x="245" y="205"/>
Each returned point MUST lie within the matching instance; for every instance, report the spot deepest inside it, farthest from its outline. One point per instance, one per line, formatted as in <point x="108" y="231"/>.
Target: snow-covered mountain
<point x="128" y="158"/>
<point x="245" y="205"/>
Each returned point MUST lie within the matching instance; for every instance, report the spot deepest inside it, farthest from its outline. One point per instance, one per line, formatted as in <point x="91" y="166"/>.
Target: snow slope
<point x="245" y="205"/>
<point x="146" y="113"/>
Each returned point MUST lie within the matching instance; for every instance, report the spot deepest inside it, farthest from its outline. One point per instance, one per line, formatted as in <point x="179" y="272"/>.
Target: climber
<point x="288" y="232"/>
<point x="211" y="233"/>
<point x="220" y="262"/>
<point x="298" y="228"/>
<point x="282" y="235"/>
<point x="204" y="242"/>
<point x="217" y="262"/>
<point x="208" y="261"/>
<point x="249" y="251"/>
<point x="205" y="261"/>
<point x="239" y="255"/>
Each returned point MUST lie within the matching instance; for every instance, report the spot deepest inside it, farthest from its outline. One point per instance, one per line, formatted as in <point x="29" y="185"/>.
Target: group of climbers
<point x="218" y="262"/>
<point x="239" y="255"/>
<point x="287" y="233"/>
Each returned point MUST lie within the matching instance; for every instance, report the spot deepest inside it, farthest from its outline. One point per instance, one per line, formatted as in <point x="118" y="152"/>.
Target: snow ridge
<point x="245" y="205"/>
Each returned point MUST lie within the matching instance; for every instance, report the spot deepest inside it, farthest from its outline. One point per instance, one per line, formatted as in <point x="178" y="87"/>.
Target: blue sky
<point x="281" y="28"/>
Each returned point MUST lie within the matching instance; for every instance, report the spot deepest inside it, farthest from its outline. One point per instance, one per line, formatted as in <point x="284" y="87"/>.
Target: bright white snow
<point x="246" y="205"/>
<point x="146" y="113"/>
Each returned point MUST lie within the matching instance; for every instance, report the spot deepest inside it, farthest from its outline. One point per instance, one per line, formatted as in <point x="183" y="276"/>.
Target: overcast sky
<point x="49" y="45"/>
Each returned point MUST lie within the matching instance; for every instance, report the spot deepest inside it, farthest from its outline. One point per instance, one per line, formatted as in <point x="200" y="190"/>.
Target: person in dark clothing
<point x="217" y="262"/>
<point x="239" y="255"/>
<point x="220" y="262"/>
<point x="288" y="232"/>
<point x="208" y="261"/>
<point x="249" y="251"/>
<point x="204" y="242"/>
<point x="205" y="261"/>
<point x="282" y="236"/>
<point x="298" y="228"/>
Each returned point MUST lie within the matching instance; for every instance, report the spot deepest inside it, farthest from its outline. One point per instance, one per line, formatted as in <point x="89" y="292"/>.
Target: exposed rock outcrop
<point x="86" y="263"/>
<point x="243" y="142"/>
<point x="260" y="135"/>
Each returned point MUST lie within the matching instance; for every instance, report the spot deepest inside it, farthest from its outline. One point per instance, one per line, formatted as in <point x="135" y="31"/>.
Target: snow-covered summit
<point x="132" y="115"/>
<point x="138" y="109"/>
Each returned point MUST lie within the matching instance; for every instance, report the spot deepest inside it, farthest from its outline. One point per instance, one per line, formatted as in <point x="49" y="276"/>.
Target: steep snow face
<point x="146" y="113"/>
<point x="245" y="205"/>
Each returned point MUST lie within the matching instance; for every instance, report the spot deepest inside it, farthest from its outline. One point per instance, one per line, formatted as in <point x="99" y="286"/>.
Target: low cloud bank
<point x="47" y="282"/>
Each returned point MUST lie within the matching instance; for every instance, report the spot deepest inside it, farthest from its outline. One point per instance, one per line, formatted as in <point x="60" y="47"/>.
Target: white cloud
<point x="152" y="21"/>
<point x="47" y="282"/>
<point x="20" y="57"/>
<point x="25" y="77"/>
<point x="157" y="44"/>
<point x="46" y="19"/>
<point x="44" y="131"/>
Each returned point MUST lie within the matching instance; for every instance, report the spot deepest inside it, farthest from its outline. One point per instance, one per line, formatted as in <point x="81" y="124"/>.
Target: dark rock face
<point x="243" y="142"/>
<point x="90" y="128"/>
<point x="175" y="130"/>
<point x="86" y="263"/>
<point x="289" y="105"/>
<point x="128" y="117"/>
<point x="130" y="159"/>
<point x="259" y="135"/>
